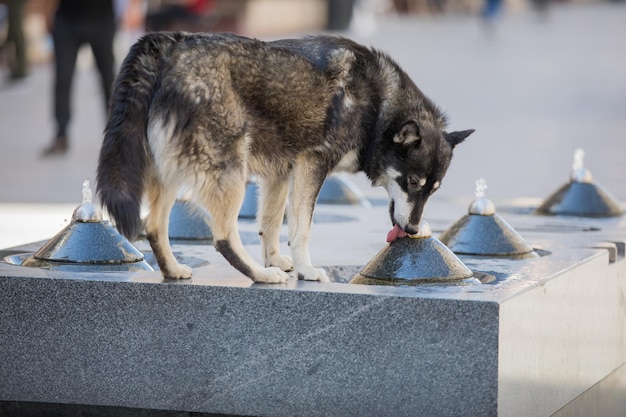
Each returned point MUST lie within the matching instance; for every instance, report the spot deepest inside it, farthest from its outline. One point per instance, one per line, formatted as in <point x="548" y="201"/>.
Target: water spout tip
<point x="87" y="212"/>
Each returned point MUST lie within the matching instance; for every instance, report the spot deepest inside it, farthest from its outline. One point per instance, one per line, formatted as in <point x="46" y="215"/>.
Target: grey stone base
<point x="606" y="399"/>
<point x="28" y="409"/>
<point x="527" y="344"/>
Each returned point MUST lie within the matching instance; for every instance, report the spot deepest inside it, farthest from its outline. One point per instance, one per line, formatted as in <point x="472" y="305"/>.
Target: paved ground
<point x="534" y="88"/>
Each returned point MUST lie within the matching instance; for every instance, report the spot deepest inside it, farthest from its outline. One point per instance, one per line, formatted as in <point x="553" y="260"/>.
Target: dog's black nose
<point x="410" y="230"/>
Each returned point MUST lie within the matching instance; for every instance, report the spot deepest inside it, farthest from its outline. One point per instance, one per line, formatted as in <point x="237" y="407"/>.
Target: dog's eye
<point x="416" y="183"/>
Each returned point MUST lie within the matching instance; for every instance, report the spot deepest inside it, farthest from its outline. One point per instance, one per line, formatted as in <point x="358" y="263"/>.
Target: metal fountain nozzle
<point x="581" y="196"/>
<point x="88" y="244"/>
<point x="482" y="205"/>
<point x="412" y="260"/>
<point x="87" y="212"/>
<point x="483" y="232"/>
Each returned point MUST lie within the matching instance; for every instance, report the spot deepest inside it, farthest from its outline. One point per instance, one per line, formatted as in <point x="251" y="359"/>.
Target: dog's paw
<point x="271" y="275"/>
<point x="179" y="271"/>
<point x="313" y="274"/>
<point x="283" y="262"/>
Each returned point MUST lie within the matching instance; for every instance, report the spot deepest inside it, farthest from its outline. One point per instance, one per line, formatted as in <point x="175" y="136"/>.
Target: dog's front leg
<point x="272" y="202"/>
<point x="304" y="186"/>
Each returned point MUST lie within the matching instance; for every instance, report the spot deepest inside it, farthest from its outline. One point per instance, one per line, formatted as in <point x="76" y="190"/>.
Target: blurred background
<point x="536" y="79"/>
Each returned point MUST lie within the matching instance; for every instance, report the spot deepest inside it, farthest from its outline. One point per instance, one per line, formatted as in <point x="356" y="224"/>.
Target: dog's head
<point x="415" y="161"/>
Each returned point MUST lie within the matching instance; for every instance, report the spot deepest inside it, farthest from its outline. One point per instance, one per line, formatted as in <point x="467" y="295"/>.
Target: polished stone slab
<point x="539" y="335"/>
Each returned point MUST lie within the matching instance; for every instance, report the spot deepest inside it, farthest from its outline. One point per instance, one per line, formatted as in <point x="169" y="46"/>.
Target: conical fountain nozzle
<point x="581" y="196"/>
<point x="88" y="244"/>
<point x="485" y="236"/>
<point x="483" y="232"/>
<point x="482" y="206"/>
<point x="189" y="222"/>
<point x="412" y="260"/>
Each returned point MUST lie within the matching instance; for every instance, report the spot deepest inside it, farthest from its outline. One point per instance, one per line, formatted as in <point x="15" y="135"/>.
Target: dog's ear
<point x="455" y="138"/>
<point x="408" y="134"/>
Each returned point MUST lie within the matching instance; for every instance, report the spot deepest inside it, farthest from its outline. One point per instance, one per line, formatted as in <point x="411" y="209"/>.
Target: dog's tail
<point x="125" y="158"/>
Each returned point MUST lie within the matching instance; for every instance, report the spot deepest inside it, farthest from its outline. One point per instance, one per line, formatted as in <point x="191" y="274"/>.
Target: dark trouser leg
<point x="101" y="40"/>
<point x="16" y="38"/>
<point x="66" y="46"/>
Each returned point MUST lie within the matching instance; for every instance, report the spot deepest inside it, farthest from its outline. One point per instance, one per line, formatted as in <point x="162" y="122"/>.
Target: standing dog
<point x="205" y="111"/>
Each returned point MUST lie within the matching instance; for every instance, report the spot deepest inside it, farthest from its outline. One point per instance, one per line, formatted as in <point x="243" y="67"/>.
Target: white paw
<point x="178" y="271"/>
<point x="283" y="262"/>
<point x="271" y="275"/>
<point x="313" y="274"/>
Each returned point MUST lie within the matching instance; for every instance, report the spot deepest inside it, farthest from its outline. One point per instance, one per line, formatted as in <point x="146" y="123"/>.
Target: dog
<point x="205" y="111"/>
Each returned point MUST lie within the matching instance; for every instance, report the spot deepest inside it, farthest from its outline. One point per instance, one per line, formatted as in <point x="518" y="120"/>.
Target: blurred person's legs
<point x="16" y="40"/>
<point x="100" y="38"/>
<point x="66" y="45"/>
<point x="339" y="14"/>
<point x="68" y="37"/>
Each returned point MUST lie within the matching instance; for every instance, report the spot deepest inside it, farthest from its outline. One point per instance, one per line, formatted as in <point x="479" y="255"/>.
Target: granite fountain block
<point x="530" y="342"/>
<point x="253" y="351"/>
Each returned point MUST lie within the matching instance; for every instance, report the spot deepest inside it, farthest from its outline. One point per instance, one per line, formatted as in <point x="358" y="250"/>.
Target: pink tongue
<point x="395" y="233"/>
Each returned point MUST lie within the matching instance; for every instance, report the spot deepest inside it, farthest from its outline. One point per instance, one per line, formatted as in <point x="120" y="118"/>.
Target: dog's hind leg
<point x="304" y="187"/>
<point x="223" y="198"/>
<point x="161" y="200"/>
<point x="272" y="202"/>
